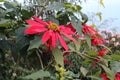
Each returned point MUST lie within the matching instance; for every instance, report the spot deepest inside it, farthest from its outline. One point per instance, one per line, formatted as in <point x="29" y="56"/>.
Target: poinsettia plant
<point x="52" y="43"/>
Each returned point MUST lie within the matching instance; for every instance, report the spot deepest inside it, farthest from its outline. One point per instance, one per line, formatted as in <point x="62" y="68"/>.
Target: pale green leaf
<point x="101" y="3"/>
<point x="57" y="53"/>
<point x="55" y="6"/>
<point x="115" y="57"/>
<point x="1" y="0"/>
<point x="99" y="14"/>
<point x="93" y="53"/>
<point x="77" y="47"/>
<point x="37" y="75"/>
<point x="88" y="40"/>
<point x="108" y="71"/>
<point x="83" y="70"/>
<point x="115" y="66"/>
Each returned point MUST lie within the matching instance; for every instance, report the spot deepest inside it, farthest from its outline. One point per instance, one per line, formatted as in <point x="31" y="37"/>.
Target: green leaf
<point x="108" y="71"/>
<point x="84" y="17"/>
<point x="35" y="43"/>
<point x="55" y="6"/>
<point x="9" y="5"/>
<point x="88" y="40"/>
<point x="21" y="40"/>
<point x="40" y="2"/>
<point x="68" y="5"/>
<point x="115" y="66"/>
<point x="115" y="57"/>
<point x="77" y="24"/>
<point x="83" y="70"/>
<point x="26" y="14"/>
<point x="62" y="17"/>
<point x="5" y="23"/>
<point x="1" y="0"/>
<point x="52" y="18"/>
<point x="77" y="46"/>
<point x="77" y="8"/>
<point x="57" y="53"/>
<point x="93" y="53"/>
<point x="37" y="75"/>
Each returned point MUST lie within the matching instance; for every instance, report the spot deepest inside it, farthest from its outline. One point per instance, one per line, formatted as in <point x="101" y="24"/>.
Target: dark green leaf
<point x="77" y="24"/>
<point x="37" y="75"/>
<point x="4" y="44"/>
<point x="57" y="53"/>
<point x="26" y="14"/>
<point x="35" y="43"/>
<point x="21" y="40"/>
<point x="62" y="17"/>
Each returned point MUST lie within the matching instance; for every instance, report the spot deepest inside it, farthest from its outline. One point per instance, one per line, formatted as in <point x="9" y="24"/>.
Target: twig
<point x="79" y="53"/>
<point x="40" y="60"/>
<point x="42" y="8"/>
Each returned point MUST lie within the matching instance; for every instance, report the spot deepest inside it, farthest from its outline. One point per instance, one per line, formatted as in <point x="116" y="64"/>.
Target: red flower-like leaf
<point x="97" y="41"/>
<point x="89" y="30"/>
<point x="117" y="76"/>
<point x="104" y="76"/>
<point x="102" y="52"/>
<point x="51" y="32"/>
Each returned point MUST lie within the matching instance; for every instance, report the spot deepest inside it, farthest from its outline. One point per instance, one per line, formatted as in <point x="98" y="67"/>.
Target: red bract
<point x="67" y="62"/>
<point x="51" y="32"/>
<point x="89" y="30"/>
<point x="104" y="76"/>
<point x="102" y="52"/>
<point x="117" y="76"/>
<point x="97" y="41"/>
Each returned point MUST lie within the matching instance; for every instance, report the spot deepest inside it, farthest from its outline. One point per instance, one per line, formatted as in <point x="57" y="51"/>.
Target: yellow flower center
<point x="53" y="26"/>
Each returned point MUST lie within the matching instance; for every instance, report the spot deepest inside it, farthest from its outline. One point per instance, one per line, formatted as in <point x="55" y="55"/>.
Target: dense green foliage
<point x="24" y="57"/>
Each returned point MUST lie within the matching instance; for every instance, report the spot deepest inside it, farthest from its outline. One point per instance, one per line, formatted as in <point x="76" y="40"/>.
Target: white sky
<point x="111" y="10"/>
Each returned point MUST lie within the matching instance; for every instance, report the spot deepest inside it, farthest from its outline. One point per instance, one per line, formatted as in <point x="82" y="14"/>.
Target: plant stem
<point x="40" y="60"/>
<point x="79" y="53"/>
<point x="42" y="8"/>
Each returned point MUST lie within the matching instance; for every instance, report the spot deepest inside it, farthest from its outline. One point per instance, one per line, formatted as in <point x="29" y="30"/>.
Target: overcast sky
<point x="111" y="11"/>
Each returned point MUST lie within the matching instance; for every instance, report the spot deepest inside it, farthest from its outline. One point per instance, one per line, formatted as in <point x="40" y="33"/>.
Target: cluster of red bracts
<point x="53" y="33"/>
<point x="104" y="76"/>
